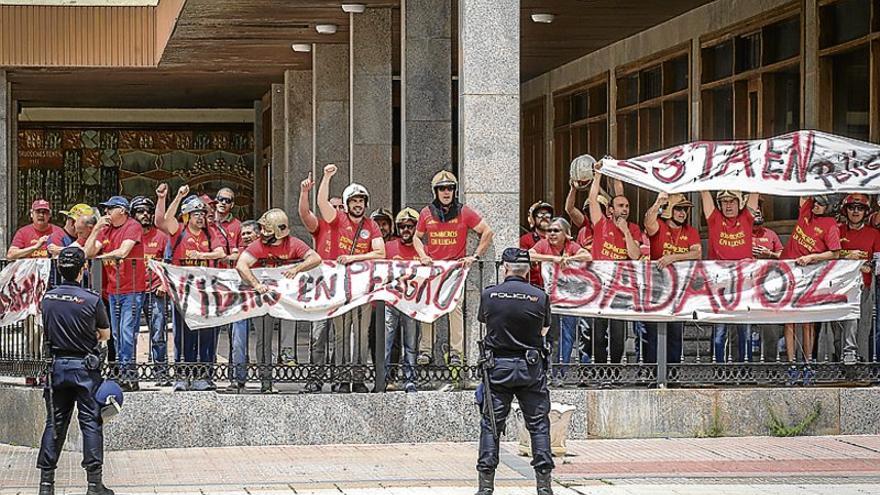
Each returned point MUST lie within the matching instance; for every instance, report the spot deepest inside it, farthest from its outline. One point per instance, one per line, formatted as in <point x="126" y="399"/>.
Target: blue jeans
<point x="674" y="331"/>
<point x="394" y="321"/>
<point x="155" y="308"/>
<point x="240" y="330"/>
<point x="584" y="340"/>
<point x="125" y="313"/>
<point x="194" y="346"/>
<point x="744" y="344"/>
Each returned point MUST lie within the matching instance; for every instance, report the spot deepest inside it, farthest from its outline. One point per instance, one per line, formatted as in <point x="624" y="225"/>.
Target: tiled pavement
<point x="841" y="465"/>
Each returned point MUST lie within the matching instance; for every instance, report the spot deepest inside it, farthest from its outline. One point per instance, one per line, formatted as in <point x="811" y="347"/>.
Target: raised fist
<point x="330" y="170"/>
<point x="183" y="191"/>
<point x="162" y="191"/>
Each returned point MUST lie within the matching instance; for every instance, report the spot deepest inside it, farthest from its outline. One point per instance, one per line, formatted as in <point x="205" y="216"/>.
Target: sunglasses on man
<point x="446" y="188"/>
<point x="224" y="200"/>
<point x="857" y="207"/>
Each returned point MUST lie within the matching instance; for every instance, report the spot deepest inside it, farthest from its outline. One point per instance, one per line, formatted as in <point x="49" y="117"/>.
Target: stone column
<point x="6" y="176"/>
<point x="259" y="198"/>
<point x="298" y="141"/>
<point x="331" y="99"/>
<point x="279" y="169"/>
<point x="810" y="70"/>
<point x="370" y="48"/>
<point x="489" y="127"/>
<point x="426" y="72"/>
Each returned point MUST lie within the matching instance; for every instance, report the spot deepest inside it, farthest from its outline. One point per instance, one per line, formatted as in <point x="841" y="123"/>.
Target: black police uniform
<point x="71" y="317"/>
<point x="515" y="312"/>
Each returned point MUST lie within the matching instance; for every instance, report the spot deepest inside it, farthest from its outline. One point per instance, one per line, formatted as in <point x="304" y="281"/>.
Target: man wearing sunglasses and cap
<point x="33" y="241"/>
<point x="117" y="240"/>
<point x="540" y="214"/>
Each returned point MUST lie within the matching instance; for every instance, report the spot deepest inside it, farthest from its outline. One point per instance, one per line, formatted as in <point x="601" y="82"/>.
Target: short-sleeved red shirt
<point x="811" y="234"/>
<point x="397" y="250"/>
<point x="28" y="235"/>
<point x="155" y="244"/>
<point x="543" y="246"/>
<point x="609" y="242"/>
<point x="585" y="235"/>
<point x="343" y="231"/>
<point x="730" y="238"/>
<point x="230" y="230"/>
<point x="322" y="238"/>
<point x="131" y="274"/>
<point x="668" y="240"/>
<point x="764" y="237"/>
<point x="528" y="241"/>
<point x="447" y="240"/>
<point x="865" y="239"/>
<point x="184" y="243"/>
<point x="289" y="251"/>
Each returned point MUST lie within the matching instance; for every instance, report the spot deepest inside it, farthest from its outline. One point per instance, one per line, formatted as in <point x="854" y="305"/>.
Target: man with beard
<point x="730" y="238"/>
<point x="765" y="242"/>
<point x="446" y="223"/>
<point x="858" y="241"/>
<point x="118" y="240"/>
<point x="354" y="237"/>
<point x="615" y="239"/>
<point x="540" y="214"/>
<point x="385" y="220"/>
<point x="816" y="238"/>
<point x="276" y="247"/>
<point x="672" y="240"/>
<point x="192" y="244"/>
<point x="156" y="301"/>
<point x="396" y="322"/>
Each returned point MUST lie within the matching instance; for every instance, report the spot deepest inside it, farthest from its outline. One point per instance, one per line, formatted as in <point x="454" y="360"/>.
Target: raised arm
<point x="651" y="223"/>
<point x="328" y="212"/>
<point x="166" y="220"/>
<point x="595" y="208"/>
<point x="752" y="202"/>
<point x="708" y="204"/>
<point x="309" y="220"/>
<point x="574" y="213"/>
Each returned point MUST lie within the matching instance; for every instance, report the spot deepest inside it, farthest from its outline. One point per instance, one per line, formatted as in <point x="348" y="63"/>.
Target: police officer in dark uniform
<point x="517" y="317"/>
<point x="75" y="321"/>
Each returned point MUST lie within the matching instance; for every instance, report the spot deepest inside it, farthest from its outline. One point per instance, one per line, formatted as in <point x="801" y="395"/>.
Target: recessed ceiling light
<point x="301" y="47"/>
<point x="543" y="18"/>
<point x="326" y="28"/>
<point x="353" y="8"/>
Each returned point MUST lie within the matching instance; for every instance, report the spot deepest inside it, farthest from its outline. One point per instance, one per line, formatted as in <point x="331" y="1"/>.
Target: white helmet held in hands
<point x="581" y="172"/>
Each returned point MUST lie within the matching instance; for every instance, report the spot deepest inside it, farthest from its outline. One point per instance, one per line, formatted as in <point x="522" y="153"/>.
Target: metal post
<point x="381" y="358"/>
<point x="661" y="354"/>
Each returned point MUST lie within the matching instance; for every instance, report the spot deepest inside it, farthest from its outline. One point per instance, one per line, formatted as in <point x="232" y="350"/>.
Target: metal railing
<point x="266" y="349"/>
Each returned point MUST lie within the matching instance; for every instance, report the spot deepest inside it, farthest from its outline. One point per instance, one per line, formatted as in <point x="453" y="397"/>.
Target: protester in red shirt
<point x="672" y="240"/>
<point x="765" y="242"/>
<point x="444" y="224"/>
<point x="385" y="220"/>
<point x="191" y="244"/>
<point x="118" y="240"/>
<point x="353" y="238"/>
<point x="539" y="217"/>
<point x="816" y="238"/>
<point x="858" y="241"/>
<point x="32" y="241"/>
<point x="227" y="225"/>
<point x="730" y="237"/>
<point x="276" y="247"/>
<point x="396" y="322"/>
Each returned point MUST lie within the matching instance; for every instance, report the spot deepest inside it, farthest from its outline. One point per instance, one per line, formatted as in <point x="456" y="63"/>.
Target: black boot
<point x="47" y="482"/>
<point x="487" y="483"/>
<point x="543" y="479"/>
<point x="96" y="486"/>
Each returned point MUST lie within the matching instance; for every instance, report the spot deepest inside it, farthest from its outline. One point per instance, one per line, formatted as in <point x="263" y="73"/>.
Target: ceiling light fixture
<point x="543" y="18"/>
<point x="326" y="28"/>
<point x="354" y="8"/>
<point x="301" y="47"/>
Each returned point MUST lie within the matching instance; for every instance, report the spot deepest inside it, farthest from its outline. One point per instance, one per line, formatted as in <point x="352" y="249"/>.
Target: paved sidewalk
<point x="841" y="465"/>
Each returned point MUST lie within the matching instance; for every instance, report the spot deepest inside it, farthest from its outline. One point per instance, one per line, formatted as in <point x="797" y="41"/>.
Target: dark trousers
<point x="674" y="331"/>
<point x="195" y="346"/>
<point x="602" y="331"/>
<point x="514" y="377"/>
<point x="72" y="384"/>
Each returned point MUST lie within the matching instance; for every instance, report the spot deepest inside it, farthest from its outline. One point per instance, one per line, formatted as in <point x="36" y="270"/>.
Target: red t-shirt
<point x="865" y="239"/>
<point x="155" y="243"/>
<point x="543" y="246"/>
<point x="291" y="250"/>
<point x="230" y="230"/>
<point x="764" y="237"/>
<point x="323" y="240"/>
<point x="609" y="242"/>
<point x="811" y="234"/>
<point x="585" y="235"/>
<point x="528" y="241"/>
<point x="28" y="235"/>
<point x="342" y="233"/>
<point x="132" y="274"/>
<point x="184" y="243"/>
<point x="730" y="238"/>
<point x="669" y="240"/>
<point x="397" y="250"/>
<point x="447" y="240"/>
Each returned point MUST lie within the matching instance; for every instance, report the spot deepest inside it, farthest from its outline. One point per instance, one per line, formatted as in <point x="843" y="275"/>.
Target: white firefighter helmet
<point x="407" y="214"/>
<point x="352" y="190"/>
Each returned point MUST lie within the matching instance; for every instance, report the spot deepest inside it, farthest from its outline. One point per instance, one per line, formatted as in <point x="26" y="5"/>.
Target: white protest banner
<point x="22" y="286"/>
<point x="745" y="291"/>
<point x="210" y="296"/>
<point x="800" y="163"/>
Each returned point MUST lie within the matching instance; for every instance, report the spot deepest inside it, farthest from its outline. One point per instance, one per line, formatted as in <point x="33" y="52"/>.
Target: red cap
<point x="41" y="204"/>
<point x="208" y="200"/>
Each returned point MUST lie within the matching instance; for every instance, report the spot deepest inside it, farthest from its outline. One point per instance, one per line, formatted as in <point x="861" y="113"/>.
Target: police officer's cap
<point x="71" y="257"/>
<point x="515" y="255"/>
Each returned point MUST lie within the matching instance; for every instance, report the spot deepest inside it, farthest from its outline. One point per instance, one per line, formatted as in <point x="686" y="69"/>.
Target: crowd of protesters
<point x="195" y="230"/>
